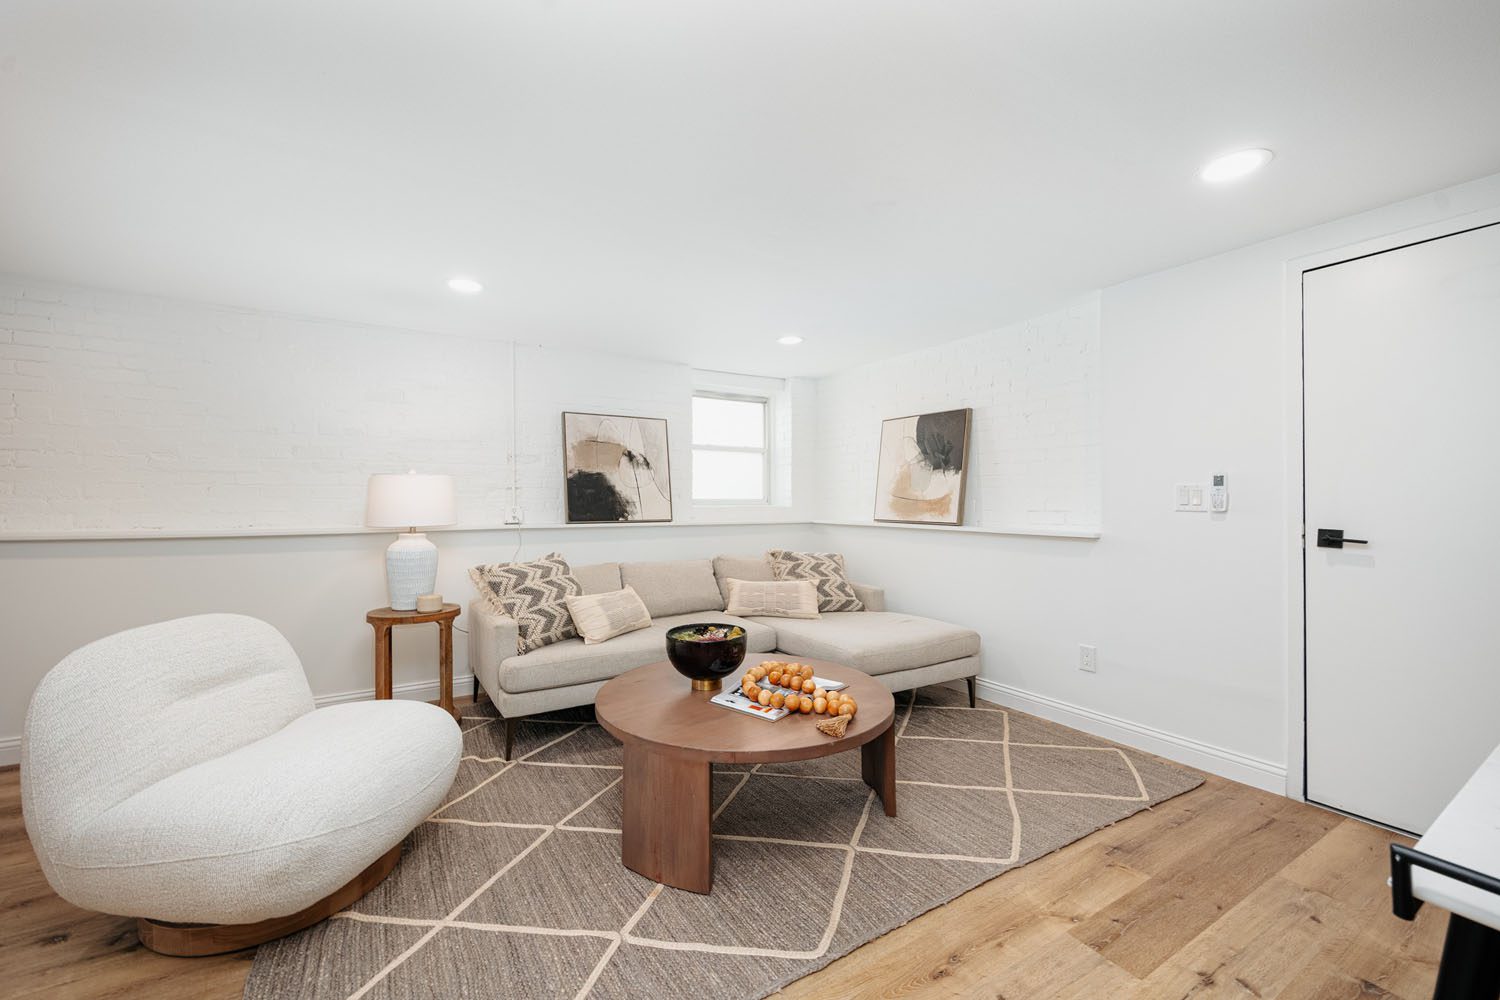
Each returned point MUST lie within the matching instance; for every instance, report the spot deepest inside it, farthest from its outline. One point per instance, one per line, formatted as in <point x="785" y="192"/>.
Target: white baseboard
<point x="1205" y="756"/>
<point x="10" y="746"/>
<point x="411" y="691"/>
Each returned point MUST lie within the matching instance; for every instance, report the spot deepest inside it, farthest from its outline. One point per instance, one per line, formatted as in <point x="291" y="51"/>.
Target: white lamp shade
<point x="395" y="500"/>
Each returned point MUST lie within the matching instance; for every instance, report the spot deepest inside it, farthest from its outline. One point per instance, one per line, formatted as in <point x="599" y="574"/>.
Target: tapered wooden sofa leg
<point x="510" y="736"/>
<point x="973" y="702"/>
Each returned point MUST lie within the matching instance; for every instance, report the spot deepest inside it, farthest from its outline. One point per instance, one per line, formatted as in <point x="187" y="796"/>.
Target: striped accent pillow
<point x="772" y="598"/>
<point x="533" y="593"/>
<point x="601" y="617"/>
<point x="825" y="570"/>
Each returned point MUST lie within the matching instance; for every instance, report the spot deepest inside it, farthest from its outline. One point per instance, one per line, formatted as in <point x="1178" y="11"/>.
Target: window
<point x="730" y="463"/>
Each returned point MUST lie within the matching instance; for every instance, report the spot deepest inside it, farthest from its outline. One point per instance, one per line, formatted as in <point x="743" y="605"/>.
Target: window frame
<point x="764" y="450"/>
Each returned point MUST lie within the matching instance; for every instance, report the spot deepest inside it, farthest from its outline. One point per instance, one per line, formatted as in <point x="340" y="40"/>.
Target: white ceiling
<point x="692" y="179"/>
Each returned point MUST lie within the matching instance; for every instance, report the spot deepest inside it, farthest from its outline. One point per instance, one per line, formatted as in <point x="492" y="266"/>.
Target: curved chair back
<point x="124" y="712"/>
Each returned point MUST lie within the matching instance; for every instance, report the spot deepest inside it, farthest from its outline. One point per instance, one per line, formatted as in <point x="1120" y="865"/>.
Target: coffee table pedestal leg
<point x="878" y="766"/>
<point x="667" y="834"/>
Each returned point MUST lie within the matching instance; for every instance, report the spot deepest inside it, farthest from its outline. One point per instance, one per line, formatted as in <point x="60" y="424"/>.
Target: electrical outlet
<point x="1088" y="659"/>
<point x="514" y="517"/>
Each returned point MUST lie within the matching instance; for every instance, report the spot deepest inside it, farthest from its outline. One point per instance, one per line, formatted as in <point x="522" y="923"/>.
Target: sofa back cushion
<point x="751" y="568"/>
<point x="600" y="578"/>
<point x="674" y="588"/>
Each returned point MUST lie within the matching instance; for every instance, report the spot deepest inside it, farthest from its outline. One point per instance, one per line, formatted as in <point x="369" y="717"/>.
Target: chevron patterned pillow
<point x="534" y="594"/>
<point x="825" y="570"/>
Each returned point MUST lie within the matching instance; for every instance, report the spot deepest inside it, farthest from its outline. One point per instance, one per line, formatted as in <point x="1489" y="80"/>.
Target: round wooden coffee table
<point x="673" y="736"/>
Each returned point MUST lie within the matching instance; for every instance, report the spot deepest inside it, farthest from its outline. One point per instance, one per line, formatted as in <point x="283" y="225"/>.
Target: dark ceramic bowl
<point x="706" y="661"/>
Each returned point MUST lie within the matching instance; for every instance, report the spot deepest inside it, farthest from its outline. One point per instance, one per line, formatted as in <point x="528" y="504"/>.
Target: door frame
<point x="1295" y="498"/>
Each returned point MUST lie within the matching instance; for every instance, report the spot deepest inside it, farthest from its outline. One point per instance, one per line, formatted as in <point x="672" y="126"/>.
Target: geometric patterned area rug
<point x="514" y="887"/>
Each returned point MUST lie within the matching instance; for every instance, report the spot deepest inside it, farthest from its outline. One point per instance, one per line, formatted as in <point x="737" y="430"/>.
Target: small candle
<point x="430" y="602"/>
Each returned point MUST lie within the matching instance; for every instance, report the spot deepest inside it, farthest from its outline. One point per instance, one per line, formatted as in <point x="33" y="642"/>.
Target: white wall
<point x="134" y="414"/>
<point x="1034" y="443"/>
<point x="1189" y="611"/>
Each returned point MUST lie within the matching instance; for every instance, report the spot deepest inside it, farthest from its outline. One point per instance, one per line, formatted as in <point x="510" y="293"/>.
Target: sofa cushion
<point x="876" y="642"/>
<point x="600" y="578"/>
<point x="571" y="661"/>
<point x="825" y="570"/>
<point x="728" y="568"/>
<point x="533" y="594"/>
<point x="674" y="588"/>
<point x="760" y="637"/>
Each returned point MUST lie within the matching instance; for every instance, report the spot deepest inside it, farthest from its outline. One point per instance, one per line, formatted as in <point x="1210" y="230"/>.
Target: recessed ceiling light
<point x="789" y="340"/>
<point x="1235" y="165"/>
<point x="465" y="286"/>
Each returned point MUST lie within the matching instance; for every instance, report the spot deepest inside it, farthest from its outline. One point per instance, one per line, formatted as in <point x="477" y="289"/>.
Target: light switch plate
<point x="1192" y="497"/>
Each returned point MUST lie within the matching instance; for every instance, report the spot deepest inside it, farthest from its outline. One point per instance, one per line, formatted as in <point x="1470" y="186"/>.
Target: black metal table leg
<point x="1471" y="962"/>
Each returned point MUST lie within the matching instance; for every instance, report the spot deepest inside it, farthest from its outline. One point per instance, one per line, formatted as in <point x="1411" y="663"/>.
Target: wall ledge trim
<point x="1226" y="763"/>
<point x="163" y="534"/>
<point x="1044" y="532"/>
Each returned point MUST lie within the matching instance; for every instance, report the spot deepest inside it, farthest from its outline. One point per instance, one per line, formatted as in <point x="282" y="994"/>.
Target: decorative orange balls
<point x="808" y="687"/>
<point x="820" y="705"/>
<point x="764" y="697"/>
<point x="774" y="676"/>
<point x="777" y="699"/>
<point x="846" y="708"/>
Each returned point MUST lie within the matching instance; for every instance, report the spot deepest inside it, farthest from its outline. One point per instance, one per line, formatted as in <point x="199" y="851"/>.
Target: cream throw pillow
<point x="773" y="598"/>
<point x="601" y="617"/>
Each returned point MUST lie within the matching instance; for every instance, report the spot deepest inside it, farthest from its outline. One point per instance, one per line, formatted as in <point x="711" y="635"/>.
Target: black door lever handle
<point x="1333" y="538"/>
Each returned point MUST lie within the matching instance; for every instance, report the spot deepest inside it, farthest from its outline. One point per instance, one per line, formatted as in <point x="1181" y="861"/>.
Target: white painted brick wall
<point x="126" y="413"/>
<point x="1035" y="443"/>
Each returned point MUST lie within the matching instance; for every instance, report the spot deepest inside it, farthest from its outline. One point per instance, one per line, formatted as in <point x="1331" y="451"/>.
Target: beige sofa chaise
<point x="902" y="651"/>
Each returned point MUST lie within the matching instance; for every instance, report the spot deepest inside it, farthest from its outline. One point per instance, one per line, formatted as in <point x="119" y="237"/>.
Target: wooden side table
<point x="382" y="619"/>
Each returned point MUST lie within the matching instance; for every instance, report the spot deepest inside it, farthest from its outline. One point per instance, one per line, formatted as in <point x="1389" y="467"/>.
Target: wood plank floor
<point x="1226" y="891"/>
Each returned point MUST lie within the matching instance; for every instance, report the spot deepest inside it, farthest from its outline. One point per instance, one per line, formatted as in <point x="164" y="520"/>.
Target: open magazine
<point x="736" y="700"/>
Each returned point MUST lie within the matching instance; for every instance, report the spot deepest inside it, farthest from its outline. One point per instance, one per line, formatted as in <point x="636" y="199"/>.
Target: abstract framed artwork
<point x="921" y="468"/>
<point x="615" y="468"/>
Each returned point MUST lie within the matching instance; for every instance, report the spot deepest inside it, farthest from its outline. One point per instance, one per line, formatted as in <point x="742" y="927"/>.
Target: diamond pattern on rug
<point x="840" y="765"/>
<point x="607" y="812"/>
<point x="951" y="763"/>
<point x="1105" y="772"/>
<point x="512" y="889"/>
<point x="572" y="881"/>
<point x="487" y="741"/>
<point x="590" y="745"/>
<point x="525" y="794"/>
<point x="788" y="808"/>
<point x="328" y="961"/>
<point x="442" y="864"/>
<point x="1030" y="729"/>
<point x="781" y="896"/>
<point x="955" y="821"/>
<point x="946" y="723"/>
<point x="466" y="962"/>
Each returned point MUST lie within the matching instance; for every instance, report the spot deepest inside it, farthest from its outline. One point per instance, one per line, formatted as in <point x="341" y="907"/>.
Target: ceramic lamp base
<point x="410" y="570"/>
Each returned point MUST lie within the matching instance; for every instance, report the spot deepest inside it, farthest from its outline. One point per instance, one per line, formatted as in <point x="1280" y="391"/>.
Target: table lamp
<point x="409" y="501"/>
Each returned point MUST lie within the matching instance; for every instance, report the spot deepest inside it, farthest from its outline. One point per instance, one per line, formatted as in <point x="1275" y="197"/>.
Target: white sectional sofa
<point x="900" y="650"/>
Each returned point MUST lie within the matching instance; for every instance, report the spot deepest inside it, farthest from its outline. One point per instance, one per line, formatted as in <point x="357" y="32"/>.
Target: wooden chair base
<point x="197" y="940"/>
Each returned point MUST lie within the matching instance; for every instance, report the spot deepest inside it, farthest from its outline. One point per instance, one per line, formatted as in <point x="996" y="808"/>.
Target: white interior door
<point x="1401" y="355"/>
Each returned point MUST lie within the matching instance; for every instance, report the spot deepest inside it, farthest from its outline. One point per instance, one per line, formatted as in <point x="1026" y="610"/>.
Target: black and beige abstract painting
<point x="616" y="468"/>
<point x="921" y="469"/>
